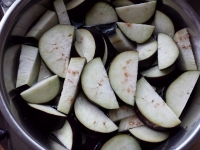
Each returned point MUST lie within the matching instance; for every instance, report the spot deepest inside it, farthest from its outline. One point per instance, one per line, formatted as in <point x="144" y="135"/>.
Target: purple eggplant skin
<point x="100" y="46"/>
<point x="79" y="23"/>
<point x="79" y="12"/>
<point x="164" y="80"/>
<point x="23" y="40"/>
<point x="77" y="140"/>
<point x="45" y="121"/>
<point x="176" y="18"/>
<point x="18" y="90"/>
<point x="160" y="81"/>
<point x="146" y="63"/>
<point x="93" y="143"/>
<point x="147" y="122"/>
<point x="74" y="53"/>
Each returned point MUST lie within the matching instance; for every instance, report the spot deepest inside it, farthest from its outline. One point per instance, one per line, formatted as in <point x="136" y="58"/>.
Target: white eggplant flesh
<point x="136" y="13"/>
<point x="46" y="22"/>
<point x="71" y="84"/>
<point x="186" y="60"/>
<point x="123" y="75"/>
<point x="55" y="47"/>
<point x="61" y="11"/>
<point x="179" y="91"/>
<point x="92" y="117"/>
<point x="122" y="141"/>
<point x="138" y="33"/>
<point x="153" y="107"/>
<point x="96" y="85"/>
<point x="43" y="91"/>
<point x="29" y="64"/>
<point x="168" y="51"/>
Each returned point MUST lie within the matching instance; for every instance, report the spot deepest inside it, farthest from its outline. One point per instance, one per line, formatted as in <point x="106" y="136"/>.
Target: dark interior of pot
<point x="16" y="24"/>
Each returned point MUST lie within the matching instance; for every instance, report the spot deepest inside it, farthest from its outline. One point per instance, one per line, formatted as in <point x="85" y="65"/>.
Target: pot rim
<point x="6" y="23"/>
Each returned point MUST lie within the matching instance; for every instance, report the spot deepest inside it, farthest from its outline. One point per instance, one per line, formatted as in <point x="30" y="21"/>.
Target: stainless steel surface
<point x="185" y="136"/>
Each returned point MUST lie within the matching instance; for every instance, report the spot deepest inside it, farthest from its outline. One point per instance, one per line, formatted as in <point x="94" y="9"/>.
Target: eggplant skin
<point x="176" y="18"/>
<point x="77" y="140"/>
<point x="146" y="63"/>
<point x="18" y="90"/>
<point x="45" y="121"/>
<point x="147" y="122"/>
<point x="79" y="12"/>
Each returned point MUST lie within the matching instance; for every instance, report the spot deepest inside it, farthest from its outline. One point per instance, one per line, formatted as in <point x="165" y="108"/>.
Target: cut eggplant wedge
<point x="55" y="48"/>
<point x="147" y="49"/>
<point x="163" y="24"/>
<point x="148" y="135"/>
<point x="179" y="91"/>
<point x="153" y="107"/>
<point x="154" y="72"/>
<point x="47" y="21"/>
<point x="157" y="77"/>
<point x="92" y="117"/>
<point x="29" y="64"/>
<point x="186" y="60"/>
<point x="43" y="91"/>
<point x="71" y="84"/>
<point x="147" y="53"/>
<point x="121" y="141"/>
<point x="129" y="123"/>
<point x="44" y="72"/>
<point x="89" y="44"/>
<point x="136" y="32"/>
<point x="68" y="137"/>
<point x="32" y="14"/>
<point x="123" y="76"/>
<point x="101" y="13"/>
<point x="96" y="86"/>
<point x="168" y="51"/>
<point x="129" y="14"/>
<point x="61" y="12"/>
<point x="120" y="113"/>
<point x="47" y="117"/>
<point x="120" y="3"/>
<point x="119" y="41"/>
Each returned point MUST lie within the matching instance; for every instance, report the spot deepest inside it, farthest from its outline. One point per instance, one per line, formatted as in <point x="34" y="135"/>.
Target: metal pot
<point x="11" y="24"/>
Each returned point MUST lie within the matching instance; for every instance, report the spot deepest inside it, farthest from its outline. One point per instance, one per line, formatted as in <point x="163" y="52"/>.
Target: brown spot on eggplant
<point x="71" y="100"/>
<point x="70" y="81"/>
<point x="183" y="46"/>
<point x="128" y="24"/>
<point x="128" y="61"/>
<point x="124" y="67"/>
<point x="100" y="84"/>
